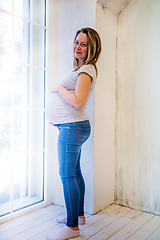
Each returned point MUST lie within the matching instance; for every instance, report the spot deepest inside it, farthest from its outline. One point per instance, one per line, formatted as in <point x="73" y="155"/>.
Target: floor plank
<point x="102" y="220"/>
<point x="114" y="223"/>
<point x="155" y="235"/>
<point x="27" y="218"/>
<point x="39" y="223"/>
<point x="113" y="228"/>
<point x="147" y="229"/>
<point x="128" y="229"/>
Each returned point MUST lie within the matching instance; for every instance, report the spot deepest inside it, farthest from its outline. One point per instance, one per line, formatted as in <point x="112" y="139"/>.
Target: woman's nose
<point x="78" y="46"/>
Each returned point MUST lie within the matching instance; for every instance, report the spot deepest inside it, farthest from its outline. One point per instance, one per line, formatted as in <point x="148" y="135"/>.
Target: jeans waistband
<point x="82" y="124"/>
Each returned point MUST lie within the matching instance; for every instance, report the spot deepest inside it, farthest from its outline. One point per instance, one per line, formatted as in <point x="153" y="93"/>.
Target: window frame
<point x="35" y="206"/>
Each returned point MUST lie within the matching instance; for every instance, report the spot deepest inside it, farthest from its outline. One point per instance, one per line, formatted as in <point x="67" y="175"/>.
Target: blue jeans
<point x="70" y="139"/>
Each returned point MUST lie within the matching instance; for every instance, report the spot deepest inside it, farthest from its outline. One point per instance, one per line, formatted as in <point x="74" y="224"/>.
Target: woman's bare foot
<point x="81" y="220"/>
<point x="74" y="228"/>
<point x="82" y="217"/>
<point x="77" y="228"/>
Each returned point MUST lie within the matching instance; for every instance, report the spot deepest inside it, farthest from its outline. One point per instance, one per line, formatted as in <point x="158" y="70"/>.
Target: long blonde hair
<point x="94" y="48"/>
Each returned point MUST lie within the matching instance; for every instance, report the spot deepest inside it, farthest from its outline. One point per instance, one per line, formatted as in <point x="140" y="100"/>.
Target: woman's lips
<point x="78" y="52"/>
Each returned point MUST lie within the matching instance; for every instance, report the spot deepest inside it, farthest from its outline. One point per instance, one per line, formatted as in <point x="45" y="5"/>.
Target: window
<point x="22" y="93"/>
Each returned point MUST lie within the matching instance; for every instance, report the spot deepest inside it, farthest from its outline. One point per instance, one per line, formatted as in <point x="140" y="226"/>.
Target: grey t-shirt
<point x="58" y="111"/>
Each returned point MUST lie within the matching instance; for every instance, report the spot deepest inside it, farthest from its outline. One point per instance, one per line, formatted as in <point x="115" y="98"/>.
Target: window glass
<point x="21" y="41"/>
<point x="33" y="10"/>
<point x="6" y="82"/>
<point x="22" y="8"/>
<point x="22" y="55"/>
<point x="21" y="86"/>
<point x="5" y="180"/>
<point x="5" y="132"/>
<point x="36" y="45"/>
<point x="36" y="88"/>
<point x="29" y="43"/>
<point x="27" y="190"/>
<point x="5" y="160"/>
<point x="6" y="4"/>
<point x="39" y="17"/>
<point x="5" y="36"/>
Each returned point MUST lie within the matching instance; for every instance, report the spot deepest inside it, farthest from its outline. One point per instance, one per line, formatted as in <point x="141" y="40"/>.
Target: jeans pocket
<point x="64" y="133"/>
<point x="83" y="134"/>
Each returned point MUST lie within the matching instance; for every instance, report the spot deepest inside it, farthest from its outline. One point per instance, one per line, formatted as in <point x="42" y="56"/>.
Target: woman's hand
<point x="56" y="88"/>
<point x="79" y="98"/>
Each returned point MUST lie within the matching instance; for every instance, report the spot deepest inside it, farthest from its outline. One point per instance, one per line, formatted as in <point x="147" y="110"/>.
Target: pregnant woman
<point x="66" y="109"/>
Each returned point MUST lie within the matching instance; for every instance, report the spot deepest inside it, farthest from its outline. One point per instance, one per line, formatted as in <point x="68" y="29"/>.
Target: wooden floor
<point x="115" y="222"/>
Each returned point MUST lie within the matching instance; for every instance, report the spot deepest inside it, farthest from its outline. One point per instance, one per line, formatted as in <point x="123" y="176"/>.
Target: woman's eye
<point x="76" y="42"/>
<point x="84" y="45"/>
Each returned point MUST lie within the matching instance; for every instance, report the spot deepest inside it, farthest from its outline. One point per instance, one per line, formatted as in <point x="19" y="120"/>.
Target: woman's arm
<point x="79" y="98"/>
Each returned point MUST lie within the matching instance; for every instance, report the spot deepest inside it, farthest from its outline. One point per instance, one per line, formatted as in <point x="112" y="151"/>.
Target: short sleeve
<point x="89" y="69"/>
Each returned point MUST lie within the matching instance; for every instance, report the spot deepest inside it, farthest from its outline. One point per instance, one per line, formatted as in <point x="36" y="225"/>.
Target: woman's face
<point x="81" y="47"/>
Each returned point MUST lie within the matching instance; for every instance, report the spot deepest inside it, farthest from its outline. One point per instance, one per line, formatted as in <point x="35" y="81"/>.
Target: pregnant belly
<point x="57" y="109"/>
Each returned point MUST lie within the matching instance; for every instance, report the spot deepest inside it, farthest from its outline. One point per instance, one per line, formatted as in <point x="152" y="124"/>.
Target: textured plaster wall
<point x="137" y="169"/>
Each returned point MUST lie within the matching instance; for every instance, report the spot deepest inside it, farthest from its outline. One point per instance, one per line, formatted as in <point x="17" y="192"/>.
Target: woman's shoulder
<point x="88" y="68"/>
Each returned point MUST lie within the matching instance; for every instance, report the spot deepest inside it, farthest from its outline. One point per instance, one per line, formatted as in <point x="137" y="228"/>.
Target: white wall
<point x="104" y="128"/>
<point x="137" y="176"/>
<point x="65" y="18"/>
